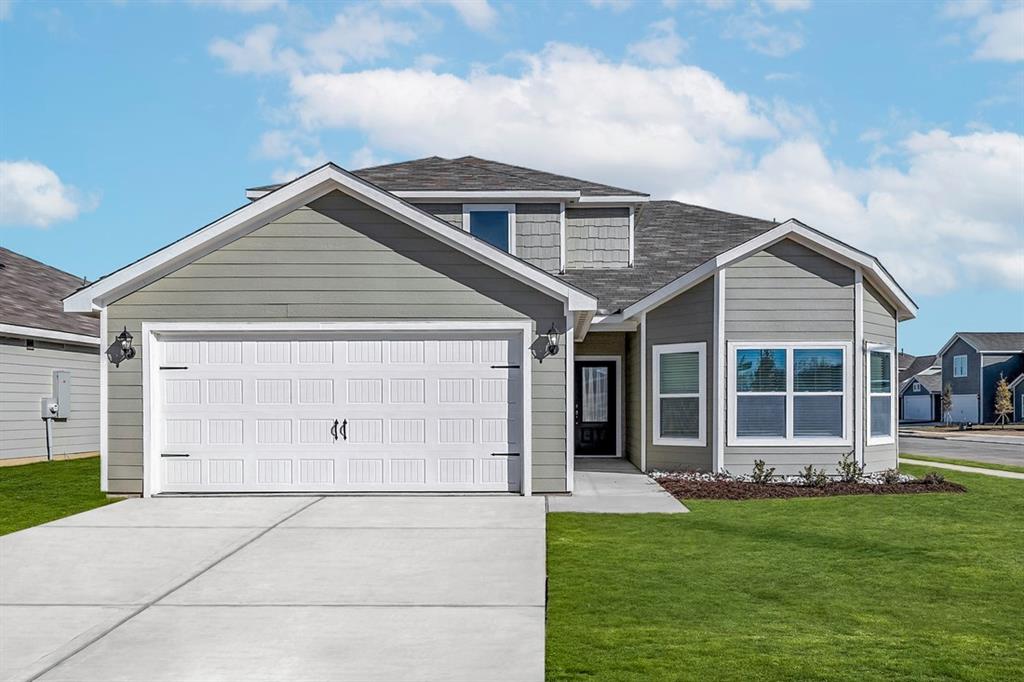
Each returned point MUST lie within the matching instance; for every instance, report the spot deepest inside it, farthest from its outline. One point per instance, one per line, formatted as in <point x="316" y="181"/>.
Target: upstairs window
<point x="959" y="366"/>
<point x="493" y="223"/>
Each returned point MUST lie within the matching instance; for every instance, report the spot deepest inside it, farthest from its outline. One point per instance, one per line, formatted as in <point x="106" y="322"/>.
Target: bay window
<point x="680" y="399"/>
<point x="880" y="402"/>
<point x="788" y="393"/>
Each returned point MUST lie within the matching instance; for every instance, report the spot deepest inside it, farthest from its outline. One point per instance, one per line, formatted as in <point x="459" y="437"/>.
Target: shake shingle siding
<point x="597" y="238"/>
<point x="538" y="235"/>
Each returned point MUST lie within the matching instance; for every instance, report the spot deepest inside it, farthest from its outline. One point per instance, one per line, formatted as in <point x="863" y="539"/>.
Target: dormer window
<point x="494" y="223"/>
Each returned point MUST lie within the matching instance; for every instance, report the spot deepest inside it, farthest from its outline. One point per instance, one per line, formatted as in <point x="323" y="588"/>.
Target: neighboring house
<point x="921" y="397"/>
<point x="467" y="325"/>
<point x="38" y="338"/>
<point x="971" y="363"/>
<point x="917" y="365"/>
<point x="1017" y="391"/>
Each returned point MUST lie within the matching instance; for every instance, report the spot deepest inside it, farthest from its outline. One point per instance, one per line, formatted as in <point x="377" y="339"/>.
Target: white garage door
<point x="917" y="408"/>
<point x="965" y="408"/>
<point x="353" y="413"/>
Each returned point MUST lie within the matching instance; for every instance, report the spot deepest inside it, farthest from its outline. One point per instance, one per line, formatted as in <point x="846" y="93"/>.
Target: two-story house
<point x="467" y="325"/>
<point x="972" y="363"/>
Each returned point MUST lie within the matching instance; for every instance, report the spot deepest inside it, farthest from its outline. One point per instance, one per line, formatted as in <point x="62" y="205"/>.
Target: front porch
<point x="610" y="485"/>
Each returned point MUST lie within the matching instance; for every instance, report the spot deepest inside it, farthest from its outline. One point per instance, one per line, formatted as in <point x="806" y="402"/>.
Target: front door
<point x="596" y="419"/>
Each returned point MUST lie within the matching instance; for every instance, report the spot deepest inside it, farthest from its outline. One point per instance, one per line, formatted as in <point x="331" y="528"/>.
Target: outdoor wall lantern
<point x="552" y="348"/>
<point x="121" y="349"/>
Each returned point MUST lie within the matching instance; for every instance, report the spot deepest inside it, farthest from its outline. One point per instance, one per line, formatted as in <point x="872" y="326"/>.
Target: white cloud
<point x="997" y="30"/>
<point x="477" y="14"/>
<point x="768" y="39"/>
<point x="357" y="34"/>
<point x="613" y="5"/>
<point x="6" y="9"/>
<point x="243" y="6"/>
<point x="32" y="194"/>
<point x="662" y="45"/>
<point x="255" y="52"/>
<point x="789" y="5"/>
<point x="781" y="76"/>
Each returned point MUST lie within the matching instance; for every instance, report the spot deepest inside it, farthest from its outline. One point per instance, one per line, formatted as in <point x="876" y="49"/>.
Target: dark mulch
<point x="742" y="490"/>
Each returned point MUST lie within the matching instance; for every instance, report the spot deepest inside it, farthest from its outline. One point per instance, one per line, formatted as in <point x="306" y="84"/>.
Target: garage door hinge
<point x="174" y="454"/>
<point x="504" y="454"/>
<point x="504" y="366"/>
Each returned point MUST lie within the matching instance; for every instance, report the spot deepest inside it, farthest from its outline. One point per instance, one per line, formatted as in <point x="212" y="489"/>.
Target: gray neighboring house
<point x="920" y="388"/>
<point x="1017" y="391"/>
<point x="466" y="325"/>
<point x="38" y="338"/>
<point x="971" y="363"/>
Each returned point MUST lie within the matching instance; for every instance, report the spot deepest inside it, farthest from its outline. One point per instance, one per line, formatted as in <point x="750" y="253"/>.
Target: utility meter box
<point x="47" y="408"/>
<point x="62" y="393"/>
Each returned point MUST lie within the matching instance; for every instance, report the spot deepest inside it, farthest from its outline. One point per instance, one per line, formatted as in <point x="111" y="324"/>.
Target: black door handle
<point x="334" y="430"/>
<point x="344" y="424"/>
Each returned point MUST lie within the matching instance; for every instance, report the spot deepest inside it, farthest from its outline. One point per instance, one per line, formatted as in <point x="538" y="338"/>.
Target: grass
<point x="31" y="494"/>
<point x="921" y="587"/>
<point x="965" y="462"/>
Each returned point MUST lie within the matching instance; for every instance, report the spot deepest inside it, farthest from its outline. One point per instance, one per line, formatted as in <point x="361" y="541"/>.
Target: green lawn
<point x="36" y="493"/>
<point x="921" y="587"/>
<point x="966" y="462"/>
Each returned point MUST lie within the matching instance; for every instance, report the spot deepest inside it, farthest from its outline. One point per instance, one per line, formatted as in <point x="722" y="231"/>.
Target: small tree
<point x="1004" y="401"/>
<point x="947" y="403"/>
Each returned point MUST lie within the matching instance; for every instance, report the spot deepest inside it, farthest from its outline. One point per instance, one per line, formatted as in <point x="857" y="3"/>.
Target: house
<point x="920" y="381"/>
<point x="971" y="365"/>
<point x="40" y="346"/>
<point x="1017" y="391"/>
<point x="468" y="325"/>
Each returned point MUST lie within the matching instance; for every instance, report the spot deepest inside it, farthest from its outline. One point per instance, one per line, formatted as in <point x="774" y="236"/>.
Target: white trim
<point x="859" y="453"/>
<point x="718" y="437"/>
<point x="789" y="440"/>
<point x="562" y="260"/>
<point x="613" y="323"/>
<point x="799" y="233"/>
<point x="104" y="408"/>
<point x="632" y="232"/>
<point x="966" y="369"/>
<point x="620" y="200"/>
<point x="532" y="196"/>
<point x="48" y="334"/>
<point x="658" y="350"/>
<point x="620" y="405"/>
<point x="508" y="209"/>
<point x="152" y="332"/>
<point x="893" y="394"/>
<point x="643" y="391"/>
<point x="1013" y="384"/>
<point x="952" y="339"/>
<point x="298" y="193"/>
<point x="570" y="401"/>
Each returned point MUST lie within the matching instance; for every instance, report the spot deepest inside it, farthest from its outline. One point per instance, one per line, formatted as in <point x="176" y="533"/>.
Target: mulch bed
<point x="742" y="490"/>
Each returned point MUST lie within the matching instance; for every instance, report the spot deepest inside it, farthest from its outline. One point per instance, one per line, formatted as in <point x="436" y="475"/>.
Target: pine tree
<point x="1004" y="401"/>
<point x="947" y="403"/>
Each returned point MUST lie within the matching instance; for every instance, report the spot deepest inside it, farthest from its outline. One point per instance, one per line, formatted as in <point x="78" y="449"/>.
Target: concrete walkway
<point x="613" y="486"/>
<point x="278" y="588"/>
<point x="960" y="467"/>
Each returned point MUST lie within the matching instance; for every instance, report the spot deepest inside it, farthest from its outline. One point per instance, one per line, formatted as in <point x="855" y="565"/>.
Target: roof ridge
<point x="45" y="265"/>
<point x="517" y="167"/>
<point x="713" y="210"/>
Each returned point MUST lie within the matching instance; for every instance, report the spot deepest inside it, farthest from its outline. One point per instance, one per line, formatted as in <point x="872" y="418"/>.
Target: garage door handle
<point x="344" y="424"/>
<point x="334" y="430"/>
<point x="504" y="454"/>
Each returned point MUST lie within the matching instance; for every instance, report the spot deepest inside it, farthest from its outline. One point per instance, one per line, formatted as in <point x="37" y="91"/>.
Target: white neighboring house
<point x="37" y="338"/>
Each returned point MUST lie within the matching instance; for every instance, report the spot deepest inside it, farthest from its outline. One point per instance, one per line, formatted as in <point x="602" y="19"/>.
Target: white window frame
<point x="962" y="372"/>
<point x="789" y="439"/>
<point x="917" y="387"/>
<point x="891" y="438"/>
<point x="701" y="395"/>
<point x="510" y="209"/>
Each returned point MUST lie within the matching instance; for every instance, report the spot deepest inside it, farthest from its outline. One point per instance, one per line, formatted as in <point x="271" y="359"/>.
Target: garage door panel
<point x="965" y="408"/>
<point x="917" y="408"/>
<point x="440" y="413"/>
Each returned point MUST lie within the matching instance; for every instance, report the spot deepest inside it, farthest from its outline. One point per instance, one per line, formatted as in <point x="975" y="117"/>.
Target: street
<point x="995" y="453"/>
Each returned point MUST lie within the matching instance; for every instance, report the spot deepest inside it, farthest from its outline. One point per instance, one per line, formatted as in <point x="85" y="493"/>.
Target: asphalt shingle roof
<point x="31" y="293"/>
<point x="1013" y="341"/>
<point x="919" y="364"/>
<point x="469" y="174"/>
<point x="671" y="239"/>
<point x="930" y="380"/>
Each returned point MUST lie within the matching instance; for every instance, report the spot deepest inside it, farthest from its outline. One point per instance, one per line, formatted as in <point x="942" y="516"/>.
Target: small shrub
<point x="849" y="470"/>
<point x="813" y="478"/>
<point x="891" y="476"/>
<point x="762" y="473"/>
<point x="934" y="477"/>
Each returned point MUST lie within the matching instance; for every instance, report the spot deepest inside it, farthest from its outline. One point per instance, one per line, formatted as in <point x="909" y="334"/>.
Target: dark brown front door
<point x="595" y="408"/>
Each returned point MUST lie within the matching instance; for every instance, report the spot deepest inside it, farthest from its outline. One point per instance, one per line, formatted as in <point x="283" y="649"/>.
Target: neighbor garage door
<point x="356" y="413"/>
<point x="965" y="408"/>
<point x="917" y="408"/>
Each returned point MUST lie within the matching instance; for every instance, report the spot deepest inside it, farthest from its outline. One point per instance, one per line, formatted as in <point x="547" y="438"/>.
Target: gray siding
<point x="602" y="343"/>
<point x="337" y="259"/>
<point x="597" y="238"/>
<point x="25" y="377"/>
<point x="631" y="372"/>
<point x="1009" y="365"/>
<point x="451" y="213"/>
<point x="687" y="318"/>
<point x="962" y="385"/>
<point x="538" y="235"/>
<point x="789" y="293"/>
<point x="1018" y="402"/>
<point x="879" y="327"/>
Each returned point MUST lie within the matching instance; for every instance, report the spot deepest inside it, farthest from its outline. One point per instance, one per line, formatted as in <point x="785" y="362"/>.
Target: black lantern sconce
<point x="121" y="349"/>
<point x="552" y="348"/>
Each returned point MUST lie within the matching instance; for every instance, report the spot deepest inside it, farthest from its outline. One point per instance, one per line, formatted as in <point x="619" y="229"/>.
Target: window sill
<point x="885" y="440"/>
<point x="790" y="442"/>
<point x="681" y="442"/>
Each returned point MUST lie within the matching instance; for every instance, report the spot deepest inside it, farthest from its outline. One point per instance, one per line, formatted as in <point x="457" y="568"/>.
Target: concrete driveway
<point x="278" y="588"/>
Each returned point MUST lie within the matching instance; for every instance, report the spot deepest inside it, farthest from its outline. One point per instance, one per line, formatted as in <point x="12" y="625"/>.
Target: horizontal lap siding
<point x="687" y="318"/>
<point x="538" y="235"/>
<point x="25" y="377"/>
<point x="597" y="238"/>
<point x="879" y="327"/>
<point x="451" y="213"/>
<point x="334" y="260"/>
<point x="789" y="293"/>
<point x="602" y="343"/>
<point x="633" y="398"/>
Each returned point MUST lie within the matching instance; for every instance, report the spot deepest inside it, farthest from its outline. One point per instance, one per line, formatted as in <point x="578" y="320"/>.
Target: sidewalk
<point x="960" y="467"/>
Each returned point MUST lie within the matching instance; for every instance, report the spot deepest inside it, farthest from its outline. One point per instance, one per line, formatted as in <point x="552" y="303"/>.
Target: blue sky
<point x="895" y="127"/>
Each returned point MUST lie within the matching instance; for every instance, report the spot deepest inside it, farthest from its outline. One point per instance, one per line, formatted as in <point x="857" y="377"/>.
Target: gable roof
<point x="671" y="239"/>
<point x="472" y="174"/>
<point x="932" y="381"/>
<point x="989" y="342"/>
<point x="918" y="365"/>
<point x="30" y="297"/>
<point x="297" y="193"/>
